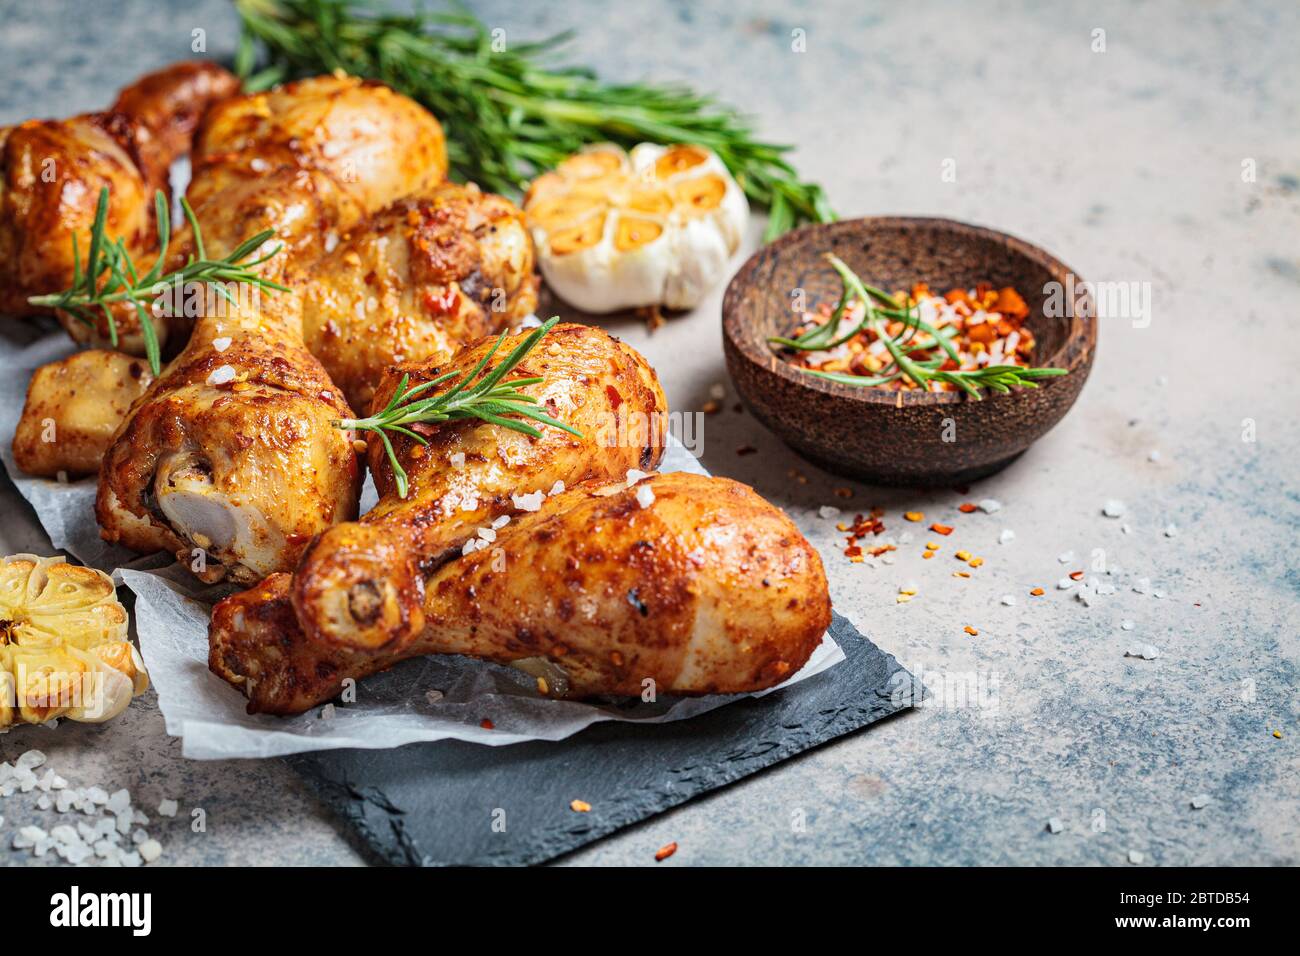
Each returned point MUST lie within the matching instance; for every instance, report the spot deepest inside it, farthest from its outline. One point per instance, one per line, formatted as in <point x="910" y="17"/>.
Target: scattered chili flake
<point x="1277" y="734"/>
<point x="711" y="407"/>
<point x="843" y="492"/>
<point x="932" y="546"/>
<point x="961" y="574"/>
<point x="967" y="508"/>
<point x="543" y="688"/>
<point x="579" y="806"/>
<point x="962" y="555"/>
<point x="976" y="562"/>
<point x="1076" y="575"/>
<point x="664" y="852"/>
<point x="859" y="528"/>
<point x="971" y="631"/>
<point x="746" y="450"/>
<point x="941" y="529"/>
<point x="1037" y="592"/>
<point x="486" y="724"/>
<point x="914" y="515"/>
<point x="928" y="554"/>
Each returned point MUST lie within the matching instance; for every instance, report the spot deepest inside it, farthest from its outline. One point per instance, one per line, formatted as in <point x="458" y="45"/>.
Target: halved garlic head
<point x="654" y="227"/>
<point x="64" y="649"/>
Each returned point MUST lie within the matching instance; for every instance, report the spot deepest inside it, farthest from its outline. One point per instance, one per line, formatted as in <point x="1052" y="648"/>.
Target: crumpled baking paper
<point x="431" y="698"/>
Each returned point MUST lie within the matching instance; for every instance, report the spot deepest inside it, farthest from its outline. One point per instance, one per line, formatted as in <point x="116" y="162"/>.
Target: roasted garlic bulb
<point x="64" y="650"/>
<point x="655" y="227"/>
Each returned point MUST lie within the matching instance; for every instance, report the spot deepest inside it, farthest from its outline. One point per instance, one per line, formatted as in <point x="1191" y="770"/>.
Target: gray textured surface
<point x="1126" y="164"/>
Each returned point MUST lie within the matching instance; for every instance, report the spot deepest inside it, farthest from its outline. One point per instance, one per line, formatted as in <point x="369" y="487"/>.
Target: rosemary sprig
<point x="123" y="282"/>
<point x="997" y="378"/>
<point x="489" y="399"/>
<point x="510" y="112"/>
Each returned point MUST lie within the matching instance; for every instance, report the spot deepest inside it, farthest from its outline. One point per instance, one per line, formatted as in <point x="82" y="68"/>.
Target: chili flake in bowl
<point x="964" y="340"/>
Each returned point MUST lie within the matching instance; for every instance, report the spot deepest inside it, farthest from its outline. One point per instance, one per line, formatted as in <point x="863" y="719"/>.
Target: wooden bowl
<point x="900" y="438"/>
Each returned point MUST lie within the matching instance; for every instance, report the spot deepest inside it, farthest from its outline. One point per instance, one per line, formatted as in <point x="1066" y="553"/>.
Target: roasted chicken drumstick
<point x="695" y="584"/>
<point x="230" y="460"/>
<point x="51" y="173"/>
<point x="361" y="584"/>
<point x="419" y="279"/>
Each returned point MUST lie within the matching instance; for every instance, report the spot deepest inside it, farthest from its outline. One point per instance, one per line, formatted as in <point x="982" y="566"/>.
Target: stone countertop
<point x="1132" y="165"/>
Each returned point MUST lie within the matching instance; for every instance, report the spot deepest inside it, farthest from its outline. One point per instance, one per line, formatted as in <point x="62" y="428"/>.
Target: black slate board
<point x="432" y="804"/>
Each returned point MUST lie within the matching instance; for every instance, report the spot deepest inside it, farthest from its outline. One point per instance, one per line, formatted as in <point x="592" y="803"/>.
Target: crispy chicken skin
<point x="51" y="173"/>
<point x="418" y="280"/>
<point x="362" y="584"/>
<point x="73" y="408"/>
<point x="707" y="588"/>
<point x="231" y="460"/>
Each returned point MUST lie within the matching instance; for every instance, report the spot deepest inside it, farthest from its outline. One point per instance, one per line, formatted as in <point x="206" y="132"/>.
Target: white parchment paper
<point x="393" y="708"/>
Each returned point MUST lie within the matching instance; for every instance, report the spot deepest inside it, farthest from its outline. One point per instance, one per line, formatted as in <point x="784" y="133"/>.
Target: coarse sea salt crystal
<point x="150" y="850"/>
<point x="30" y="760"/>
<point x="1200" y="801"/>
<point x="1065" y="557"/>
<point x="1142" y="585"/>
<point x="1153" y="457"/>
<point x="529" y="502"/>
<point x="645" y="496"/>
<point x="1147" y="652"/>
<point x="1114" y="508"/>
<point x="828" y="512"/>
<point x="1008" y="600"/>
<point x="222" y="375"/>
<point x="718" y="391"/>
<point x="1126" y="625"/>
<point x="1054" y="825"/>
<point x="557" y="488"/>
<point x="222" y="343"/>
<point x="1171" y="530"/>
<point x="1135" y="856"/>
<point x="326" y="713"/>
<point x="990" y="505"/>
<point x="500" y="522"/>
<point x="168" y="807"/>
<point x="487" y="534"/>
<point x="1007" y="536"/>
<point x="633" y="476"/>
<point x="458" y="460"/>
<point x="1064" y="584"/>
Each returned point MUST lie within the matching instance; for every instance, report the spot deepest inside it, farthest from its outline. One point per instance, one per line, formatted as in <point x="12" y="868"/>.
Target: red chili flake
<point x="880" y="549"/>
<point x="579" y="806"/>
<point x="615" y="399"/>
<point x="746" y="450"/>
<point x="1076" y="575"/>
<point x="1037" y="592"/>
<point x="487" y="724"/>
<point x="971" y="631"/>
<point x="446" y="304"/>
<point x="664" y="852"/>
<point x="967" y="508"/>
<point x="940" y="529"/>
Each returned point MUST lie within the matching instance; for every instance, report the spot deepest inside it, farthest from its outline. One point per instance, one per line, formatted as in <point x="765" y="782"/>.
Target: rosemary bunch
<point x="109" y="258"/>
<point x="997" y="378"/>
<point x="489" y="399"/>
<point x="512" y="112"/>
